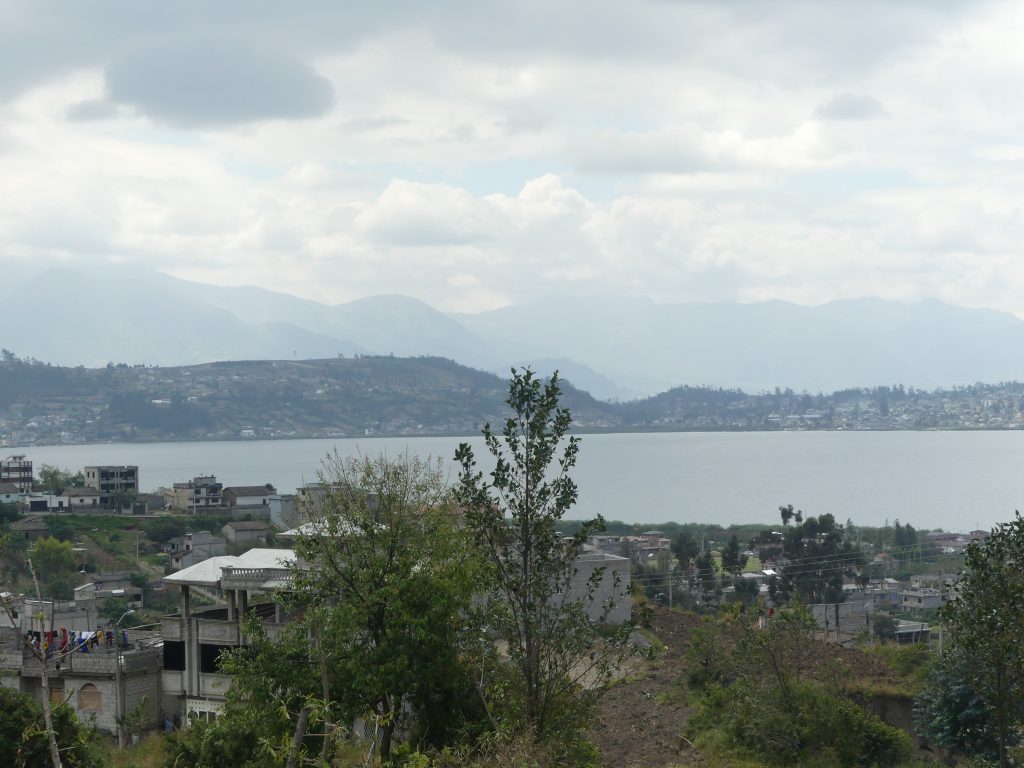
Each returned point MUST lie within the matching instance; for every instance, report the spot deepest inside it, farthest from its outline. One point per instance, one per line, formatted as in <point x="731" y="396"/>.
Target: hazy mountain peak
<point x="615" y="346"/>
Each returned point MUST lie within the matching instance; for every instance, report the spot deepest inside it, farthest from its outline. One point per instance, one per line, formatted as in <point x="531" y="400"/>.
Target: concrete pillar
<point x="232" y="610"/>
<point x="191" y="640"/>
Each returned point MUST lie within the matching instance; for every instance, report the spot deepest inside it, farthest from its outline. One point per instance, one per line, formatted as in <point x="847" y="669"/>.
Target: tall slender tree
<point x="531" y="601"/>
<point x="986" y="620"/>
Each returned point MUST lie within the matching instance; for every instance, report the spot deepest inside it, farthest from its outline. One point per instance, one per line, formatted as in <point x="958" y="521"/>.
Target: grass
<point x="909" y="662"/>
<point x="680" y="695"/>
<point x="148" y="753"/>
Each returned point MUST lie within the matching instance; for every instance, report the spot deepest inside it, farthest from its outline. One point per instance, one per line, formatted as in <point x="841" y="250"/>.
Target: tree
<point x="161" y="529"/>
<point x="706" y="576"/>
<point x="55" y="559"/>
<point x="685" y="547"/>
<point x="23" y="741"/>
<point x="883" y="626"/>
<point x="8" y="513"/>
<point x="951" y="712"/>
<point x="387" y="575"/>
<point x="53" y="479"/>
<point x="40" y="654"/>
<point x="122" y="499"/>
<point x="986" y="621"/>
<point x="819" y="556"/>
<point x="733" y="560"/>
<point x="530" y="602"/>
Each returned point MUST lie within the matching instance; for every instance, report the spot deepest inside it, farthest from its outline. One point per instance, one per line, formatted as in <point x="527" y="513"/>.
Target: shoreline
<point x="640" y="430"/>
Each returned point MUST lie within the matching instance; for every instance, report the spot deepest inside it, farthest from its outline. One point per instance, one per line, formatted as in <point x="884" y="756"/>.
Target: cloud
<point x="418" y="215"/>
<point x="211" y="81"/>
<point x="92" y="109"/>
<point x="850" y="106"/>
<point x="690" y="150"/>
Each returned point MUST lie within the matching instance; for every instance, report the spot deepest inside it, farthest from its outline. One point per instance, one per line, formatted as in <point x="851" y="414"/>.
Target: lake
<point x="958" y="481"/>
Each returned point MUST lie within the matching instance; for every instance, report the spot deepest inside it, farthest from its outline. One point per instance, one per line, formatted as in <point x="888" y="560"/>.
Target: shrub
<point x="804" y="724"/>
<point x="23" y="742"/>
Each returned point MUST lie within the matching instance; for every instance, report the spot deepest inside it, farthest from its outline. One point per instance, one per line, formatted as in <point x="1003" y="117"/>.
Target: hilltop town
<point x="362" y="396"/>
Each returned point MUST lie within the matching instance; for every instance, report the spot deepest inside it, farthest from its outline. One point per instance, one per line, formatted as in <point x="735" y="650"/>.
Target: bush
<point x="911" y="662"/>
<point x="23" y="741"/>
<point x="806" y="725"/>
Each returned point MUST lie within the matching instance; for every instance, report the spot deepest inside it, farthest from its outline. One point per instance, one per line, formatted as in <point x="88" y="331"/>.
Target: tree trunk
<point x="48" y="714"/>
<point x="386" y="732"/>
<point x="1001" y="725"/>
<point x="300" y="734"/>
<point x="44" y="680"/>
<point x="325" y="685"/>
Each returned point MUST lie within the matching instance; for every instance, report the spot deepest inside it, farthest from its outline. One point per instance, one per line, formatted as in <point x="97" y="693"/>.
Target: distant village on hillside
<point x="364" y="396"/>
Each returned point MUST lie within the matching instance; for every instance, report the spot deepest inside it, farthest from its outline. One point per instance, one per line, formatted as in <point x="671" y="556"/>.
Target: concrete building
<point x="111" y="481"/>
<point x="108" y="682"/>
<point x="9" y="493"/>
<point x="103" y="585"/>
<point x="18" y="470"/>
<point x="249" y="495"/>
<point x="246" y="531"/>
<point x="80" y="498"/>
<point x="923" y="599"/>
<point x="309" y="497"/>
<point x="195" y="638"/>
<point x="614" y="584"/>
<point x="199" y="494"/>
<point x="908" y="632"/>
<point x="193" y="548"/>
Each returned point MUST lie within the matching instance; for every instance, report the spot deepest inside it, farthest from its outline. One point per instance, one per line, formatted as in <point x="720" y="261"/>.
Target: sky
<point x="485" y="153"/>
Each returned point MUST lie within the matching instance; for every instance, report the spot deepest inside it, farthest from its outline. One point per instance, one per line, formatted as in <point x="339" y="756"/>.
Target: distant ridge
<point x="617" y="347"/>
<point x="386" y="395"/>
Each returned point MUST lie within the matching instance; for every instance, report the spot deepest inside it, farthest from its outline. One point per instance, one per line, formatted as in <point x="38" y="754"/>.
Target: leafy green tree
<point x="23" y="742"/>
<point x="55" y="561"/>
<point x="8" y="513"/>
<point x="113" y="608"/>
<point x="884" y="626"/>
<point x="160" y="529"/>
<point x="820" y="556"/>
<point x="530" y="603"/>
<point x="122" y="500"/>
<point x="685" y="547"/>
<point x="706" y="577"/>
<point x="60" y="527"/>
<point x="53" y="479"/>
<point x="986" y="621"/>
<point x="951" y="713"/>
<point x="387" y="569"/>
<point x="733" y="561"/>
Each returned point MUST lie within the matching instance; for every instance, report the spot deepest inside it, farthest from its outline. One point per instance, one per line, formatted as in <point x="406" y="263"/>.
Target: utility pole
<point x="119" y="694"/>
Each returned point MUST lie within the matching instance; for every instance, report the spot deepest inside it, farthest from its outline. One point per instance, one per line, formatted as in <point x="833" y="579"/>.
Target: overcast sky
<point x="477" y="154"/>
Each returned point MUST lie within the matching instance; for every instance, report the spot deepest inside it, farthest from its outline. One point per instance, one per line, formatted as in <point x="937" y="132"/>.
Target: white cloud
<point x="474" y="158"/>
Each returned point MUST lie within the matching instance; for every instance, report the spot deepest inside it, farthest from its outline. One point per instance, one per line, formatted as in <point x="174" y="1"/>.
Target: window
<point x="174" y="655"/>
<point x="89" y="698"/>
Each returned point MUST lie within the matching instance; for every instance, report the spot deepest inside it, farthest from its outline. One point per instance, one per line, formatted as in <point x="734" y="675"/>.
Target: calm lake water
<point x="958" y="481"/>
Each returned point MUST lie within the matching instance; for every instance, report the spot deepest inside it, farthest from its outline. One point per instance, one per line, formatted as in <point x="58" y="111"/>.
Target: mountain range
<point x="614" y="347"/>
